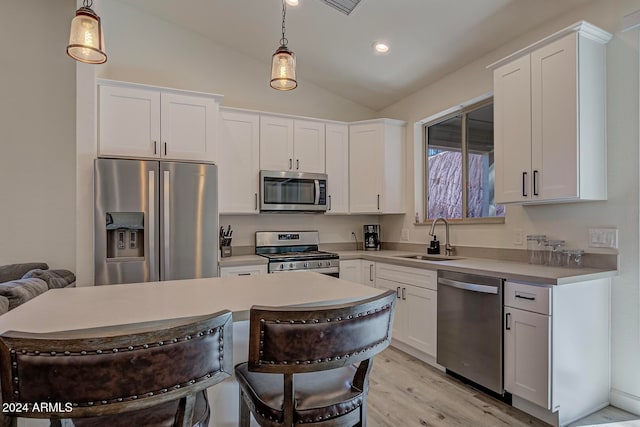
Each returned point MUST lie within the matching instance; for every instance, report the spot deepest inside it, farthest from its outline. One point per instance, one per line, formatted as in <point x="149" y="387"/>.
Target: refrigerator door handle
<point x="167" y="226"/>
<point x="151" y="221"/>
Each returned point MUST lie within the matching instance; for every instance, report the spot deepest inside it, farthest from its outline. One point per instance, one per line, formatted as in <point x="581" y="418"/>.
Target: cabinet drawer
<point x="246" y="270"/>
<point x="408" y="275"/>
<point x="528" y="297"/>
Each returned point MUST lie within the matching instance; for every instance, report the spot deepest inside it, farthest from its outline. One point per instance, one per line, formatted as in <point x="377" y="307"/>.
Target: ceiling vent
<point x="344" y="6"/>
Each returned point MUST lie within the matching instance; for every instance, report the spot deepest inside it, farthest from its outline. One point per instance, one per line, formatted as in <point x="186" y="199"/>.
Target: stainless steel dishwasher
<point x="470" y="327"/>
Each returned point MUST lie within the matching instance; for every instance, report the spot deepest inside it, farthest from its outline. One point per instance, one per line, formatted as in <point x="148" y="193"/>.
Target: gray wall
<point x="37" y="133"/>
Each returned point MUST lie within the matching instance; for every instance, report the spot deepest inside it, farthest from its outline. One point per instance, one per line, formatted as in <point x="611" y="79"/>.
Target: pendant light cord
<point x="283" y="40"/>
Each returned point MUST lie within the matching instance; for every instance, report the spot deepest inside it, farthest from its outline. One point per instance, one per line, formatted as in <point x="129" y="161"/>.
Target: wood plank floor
<point x="609" y="415"/>
<point x="406" y="392"/>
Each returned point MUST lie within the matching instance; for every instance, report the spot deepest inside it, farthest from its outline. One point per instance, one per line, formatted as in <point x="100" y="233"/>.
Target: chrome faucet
<point x="448" y="249"/>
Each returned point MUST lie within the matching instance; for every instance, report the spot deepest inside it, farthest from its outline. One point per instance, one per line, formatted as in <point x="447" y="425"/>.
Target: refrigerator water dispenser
<point x="125" y="235"/>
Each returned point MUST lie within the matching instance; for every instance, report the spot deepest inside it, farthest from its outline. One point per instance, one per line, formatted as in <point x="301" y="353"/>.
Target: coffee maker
<point x="372" y="237"/>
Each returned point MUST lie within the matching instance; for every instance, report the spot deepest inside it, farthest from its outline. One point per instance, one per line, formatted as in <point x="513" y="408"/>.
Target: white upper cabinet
<point x="376" y="167"/>
<point x="188" y="127"/>
<point x="129" y="122"/>
<point x="239" y="162"/>
<point x="148" y="122"/>
<point x="276" y="143"/>
<point x="512" y="144"/>
<point x="309" y="146"/>
<point x="337" y="161"/>
<point x="291" y="145"/>
<point x="549" y="119"/>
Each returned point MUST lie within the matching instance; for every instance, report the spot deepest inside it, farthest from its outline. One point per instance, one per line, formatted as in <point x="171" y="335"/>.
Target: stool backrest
<point x="294" y="339"/>
<point x="111" y="370"/>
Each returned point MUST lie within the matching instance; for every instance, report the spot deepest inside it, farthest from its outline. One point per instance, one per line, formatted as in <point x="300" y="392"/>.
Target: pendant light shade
<point x="283" y="69"/>
<point x="283" y="62"/>
<point x="86" y="40"/>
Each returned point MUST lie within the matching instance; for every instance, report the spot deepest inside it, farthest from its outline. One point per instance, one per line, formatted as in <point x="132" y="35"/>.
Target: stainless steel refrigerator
<point x="154" y="221"/>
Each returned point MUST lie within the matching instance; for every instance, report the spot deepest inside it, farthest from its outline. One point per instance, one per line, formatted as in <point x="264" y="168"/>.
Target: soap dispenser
<point x="434" y="246"/>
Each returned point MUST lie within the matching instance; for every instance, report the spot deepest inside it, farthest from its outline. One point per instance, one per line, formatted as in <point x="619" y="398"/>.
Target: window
<point x="459" y="165"/>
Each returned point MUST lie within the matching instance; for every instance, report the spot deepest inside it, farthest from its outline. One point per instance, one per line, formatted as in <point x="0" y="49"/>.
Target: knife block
<point x="225" y="251"/>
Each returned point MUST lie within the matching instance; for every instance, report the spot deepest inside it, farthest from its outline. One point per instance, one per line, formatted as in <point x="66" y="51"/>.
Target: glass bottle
<point x="536" y="248"/>
<point x="554" y="253"/>
<point x="573" y="258"/>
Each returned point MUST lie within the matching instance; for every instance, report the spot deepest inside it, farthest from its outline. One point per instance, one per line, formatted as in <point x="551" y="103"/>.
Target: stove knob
<point x="281" y="266"/>
<point x="290" y="265"/>
<point x="306" y="265"/>
<point x="319" y="263"/>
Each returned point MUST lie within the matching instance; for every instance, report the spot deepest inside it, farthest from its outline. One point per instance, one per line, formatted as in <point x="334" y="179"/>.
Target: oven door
<point x="293" y="191"/>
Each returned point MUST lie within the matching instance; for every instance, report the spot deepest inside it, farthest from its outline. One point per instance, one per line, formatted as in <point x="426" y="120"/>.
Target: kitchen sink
<point x="421" y="257"/>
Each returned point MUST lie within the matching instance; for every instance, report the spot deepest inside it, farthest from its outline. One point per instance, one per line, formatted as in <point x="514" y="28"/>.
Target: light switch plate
<point x="518" y="236"/>
<point x="603" y="238"/>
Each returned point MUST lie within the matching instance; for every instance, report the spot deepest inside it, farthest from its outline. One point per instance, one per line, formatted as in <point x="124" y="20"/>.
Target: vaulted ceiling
<point x="428" y="38"/>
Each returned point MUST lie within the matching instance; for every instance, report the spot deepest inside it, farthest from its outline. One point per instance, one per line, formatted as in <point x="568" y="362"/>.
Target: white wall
<point x="569" y="221"/>
<point x="37" y="133"/>
<point x="145" y="49"/>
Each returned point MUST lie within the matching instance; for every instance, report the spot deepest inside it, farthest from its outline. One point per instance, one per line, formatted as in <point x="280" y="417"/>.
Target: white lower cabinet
<point x="368" y="273"/>
<point x="351" y="270"/>
<point x="359" y="271"/>
<point x="243" y="270"/>
<point x="556" y="348"/>
<point x="526" y="355"/>
<point x="415" y="318"/>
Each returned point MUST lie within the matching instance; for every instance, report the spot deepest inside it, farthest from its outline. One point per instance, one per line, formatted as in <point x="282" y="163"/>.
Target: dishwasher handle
<point x="468" y="286"/>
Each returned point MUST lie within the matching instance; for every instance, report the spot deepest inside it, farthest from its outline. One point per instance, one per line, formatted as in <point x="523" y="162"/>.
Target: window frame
<point x="462" y="111"/>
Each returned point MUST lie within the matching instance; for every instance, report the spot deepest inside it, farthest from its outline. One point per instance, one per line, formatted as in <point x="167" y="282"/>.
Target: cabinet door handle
<point x="378" y="202"/>
<point x="525" y="297"/>
<point x="256" y="200"/>
<point x="155" y="147"/>
<point x="398" y="292"/>
<point x="535" y="178"/>
<point x="404" y="294"/>
<point x="371" y="272"/>
<point x="244" y="274"/>
<point x="507" y="325"/>
<point x="165" y="148"/>
<point x="290" y="163"/>
<point x="297" y="164"/>
<point x="329" y="208"/>
<point x="524" y="182"/>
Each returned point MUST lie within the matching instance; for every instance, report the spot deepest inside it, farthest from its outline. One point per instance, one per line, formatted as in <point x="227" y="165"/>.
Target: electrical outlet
<point x="518" y="237"/>
<point x="405" y="234"/>
<point x="603" y="238"/>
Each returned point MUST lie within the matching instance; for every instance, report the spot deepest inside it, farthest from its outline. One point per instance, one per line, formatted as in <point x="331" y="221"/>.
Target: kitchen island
<point x="96" y="306"/>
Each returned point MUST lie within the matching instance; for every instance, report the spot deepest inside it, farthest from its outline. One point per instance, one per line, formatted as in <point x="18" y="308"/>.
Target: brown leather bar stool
<point x="330" y="351"/>
<point x="146" y="374"/>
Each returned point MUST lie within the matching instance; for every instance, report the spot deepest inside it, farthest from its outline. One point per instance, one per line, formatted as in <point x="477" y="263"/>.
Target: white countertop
<point x="509" y="270"/>
<point x="95" y="306"/>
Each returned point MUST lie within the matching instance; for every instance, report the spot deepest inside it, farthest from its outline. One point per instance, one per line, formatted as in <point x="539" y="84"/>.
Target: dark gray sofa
<point x="21" y="282"/>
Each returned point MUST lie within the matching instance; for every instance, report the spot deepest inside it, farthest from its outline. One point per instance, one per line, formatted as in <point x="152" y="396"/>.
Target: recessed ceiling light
<point x="381" y="47"/>
<point x="292" y="2"/>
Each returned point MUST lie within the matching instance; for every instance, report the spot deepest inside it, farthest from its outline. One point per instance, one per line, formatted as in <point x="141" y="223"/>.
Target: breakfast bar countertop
<point x="108" y="305"/>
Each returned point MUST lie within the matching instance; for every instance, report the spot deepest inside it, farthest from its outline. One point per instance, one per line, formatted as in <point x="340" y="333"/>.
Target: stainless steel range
<point x="290" y="251"/>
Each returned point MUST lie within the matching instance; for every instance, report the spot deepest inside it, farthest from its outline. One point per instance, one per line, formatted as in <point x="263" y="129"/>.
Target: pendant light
<point x="86" y="41"/>
<point x="283" y="62"/>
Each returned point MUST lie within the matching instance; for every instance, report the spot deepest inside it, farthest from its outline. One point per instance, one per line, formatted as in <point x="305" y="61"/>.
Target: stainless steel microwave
<point x="293" y="191"/>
